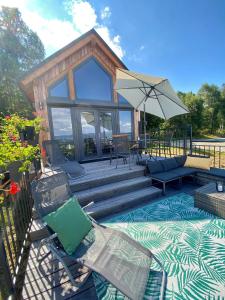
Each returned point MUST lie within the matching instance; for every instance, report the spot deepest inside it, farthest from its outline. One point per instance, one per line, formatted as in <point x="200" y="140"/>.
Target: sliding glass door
<point x="96" y="132"/>
<point x="89" y="133"/>
<point x="86" y="133"/>
<point x="105" y="122"/>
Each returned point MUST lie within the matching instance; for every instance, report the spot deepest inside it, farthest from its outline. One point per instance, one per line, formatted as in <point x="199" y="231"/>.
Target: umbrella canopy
<point x="150" y="94"/>
<point x="153" y="95"/>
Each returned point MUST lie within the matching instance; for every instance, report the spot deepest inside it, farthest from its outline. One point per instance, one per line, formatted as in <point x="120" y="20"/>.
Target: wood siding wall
<point x="63" y="68"/>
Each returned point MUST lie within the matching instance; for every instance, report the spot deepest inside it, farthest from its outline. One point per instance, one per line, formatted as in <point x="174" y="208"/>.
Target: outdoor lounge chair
<point x="57" y="160"/>
<point x="114" y="255"/>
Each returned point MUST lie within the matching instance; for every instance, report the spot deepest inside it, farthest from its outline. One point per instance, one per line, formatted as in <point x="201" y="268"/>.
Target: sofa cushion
<point x="180" y="160"/>
<point x="182" y="171"/>
<point x="165" y="176"/>
<point x="214" y="172"/>
<point x="169" y="164"/>
<point x="70" y="223"/>
<point x="198" y="162"/>
<point x="154" y="167"/>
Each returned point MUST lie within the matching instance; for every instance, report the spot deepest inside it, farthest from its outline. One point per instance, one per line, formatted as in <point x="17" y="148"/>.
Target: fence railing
<point x="15" y="220"/>
<point x="216" y="153"/>
<point x="168" y="142"/>
<point x="172" y="142"/>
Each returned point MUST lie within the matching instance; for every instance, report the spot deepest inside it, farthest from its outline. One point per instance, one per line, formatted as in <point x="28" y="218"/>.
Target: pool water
<point x="189" y="242"/>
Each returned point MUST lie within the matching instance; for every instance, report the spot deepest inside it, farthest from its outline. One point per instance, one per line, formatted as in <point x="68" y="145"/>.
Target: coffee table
<point x="207" y="198"/>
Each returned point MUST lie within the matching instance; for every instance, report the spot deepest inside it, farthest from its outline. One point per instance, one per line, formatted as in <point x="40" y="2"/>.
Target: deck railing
<point x="172" y="142"/>
<point x="168" y="142"/>
<point x="15" y="220"/>
<point x="216" y="153"/>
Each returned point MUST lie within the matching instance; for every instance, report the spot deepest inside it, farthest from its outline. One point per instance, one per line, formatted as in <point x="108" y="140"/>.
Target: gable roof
<point x="41" y="68"/>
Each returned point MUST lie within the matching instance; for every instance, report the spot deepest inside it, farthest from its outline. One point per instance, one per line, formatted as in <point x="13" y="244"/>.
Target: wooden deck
<point x="48" y="280"/>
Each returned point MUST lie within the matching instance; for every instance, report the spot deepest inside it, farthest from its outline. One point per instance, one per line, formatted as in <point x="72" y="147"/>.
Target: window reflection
<point x="92" y="82"/>
<point x="60" y="89"/>
<point x="62" y="125"/>
<point x="105" y="131"/>
<point x="88" y="132"/>
<point x="125" y="122"/>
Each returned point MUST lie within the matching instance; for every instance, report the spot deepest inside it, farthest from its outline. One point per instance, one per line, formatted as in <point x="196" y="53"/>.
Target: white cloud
<point x="114" y="43"/>
<point x="83" y="15"/>
<point x="142" y="47"/>
<point x="105" y="13"/>
<point x="56" y="33"/>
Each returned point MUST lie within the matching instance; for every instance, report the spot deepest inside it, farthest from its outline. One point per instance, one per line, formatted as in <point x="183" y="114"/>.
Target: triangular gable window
<point x="60" y="89"/>
<point x="92" y="82"/>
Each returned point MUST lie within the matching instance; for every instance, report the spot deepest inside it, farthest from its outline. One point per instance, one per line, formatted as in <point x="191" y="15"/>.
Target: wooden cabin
<point x="73" y="92"/>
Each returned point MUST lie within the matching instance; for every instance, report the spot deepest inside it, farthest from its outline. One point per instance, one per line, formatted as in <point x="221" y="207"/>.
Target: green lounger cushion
<point x="70" y="223"/>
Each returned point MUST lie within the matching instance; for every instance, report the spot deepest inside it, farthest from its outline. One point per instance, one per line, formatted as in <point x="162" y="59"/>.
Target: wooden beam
<point x="63" y="55"/>
<point x="71" y="85"/>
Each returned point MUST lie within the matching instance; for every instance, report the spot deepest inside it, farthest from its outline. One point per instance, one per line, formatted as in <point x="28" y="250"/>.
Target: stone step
<point x="106" y="191"/>
<point x="118" y="204"/>
<point x="103" y="177"/>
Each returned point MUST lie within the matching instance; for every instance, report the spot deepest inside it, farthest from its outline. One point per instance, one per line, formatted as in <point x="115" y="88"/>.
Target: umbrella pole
<point x="145" y="128"/>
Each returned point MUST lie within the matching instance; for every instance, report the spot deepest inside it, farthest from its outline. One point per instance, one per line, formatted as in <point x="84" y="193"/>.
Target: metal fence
<point x="15" y="221"/>
<point x="172" y="142"/>
<point x="215" y="152"/>
<point x="168" y="142"/>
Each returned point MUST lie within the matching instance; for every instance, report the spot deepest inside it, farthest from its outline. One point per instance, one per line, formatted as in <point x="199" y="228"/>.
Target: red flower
<point x="14" y="139"/>
<point x="14" y="188"/>
<point x="43" y="152"/>
<point x="7" y="117"/>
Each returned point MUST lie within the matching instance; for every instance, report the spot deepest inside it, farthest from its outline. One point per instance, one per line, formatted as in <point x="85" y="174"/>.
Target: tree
<point x="20" y="50"/>
<point x="211" y="97"/>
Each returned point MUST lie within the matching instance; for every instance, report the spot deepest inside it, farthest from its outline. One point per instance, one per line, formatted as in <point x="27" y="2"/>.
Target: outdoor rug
<point x="189" y="242"/>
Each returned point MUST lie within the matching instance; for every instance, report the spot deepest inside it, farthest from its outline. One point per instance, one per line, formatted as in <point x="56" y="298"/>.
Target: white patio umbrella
<point x="149" y="94"/>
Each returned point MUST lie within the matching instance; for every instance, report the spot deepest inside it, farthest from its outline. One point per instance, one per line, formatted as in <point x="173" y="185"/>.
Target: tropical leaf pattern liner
<point x="189" y="242"/>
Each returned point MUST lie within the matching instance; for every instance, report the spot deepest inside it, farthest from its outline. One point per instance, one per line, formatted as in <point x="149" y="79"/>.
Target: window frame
<point x="55" y="83"/>
<point x="93" y="101"/>
<point x="50" y="115"/>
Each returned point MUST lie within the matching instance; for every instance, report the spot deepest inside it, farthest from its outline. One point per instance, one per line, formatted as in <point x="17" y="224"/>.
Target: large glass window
<point x="125" y="119"/>
<point x="60" y="89"/>
<point x="62" y="124"/>
<point x="92" y="82"/>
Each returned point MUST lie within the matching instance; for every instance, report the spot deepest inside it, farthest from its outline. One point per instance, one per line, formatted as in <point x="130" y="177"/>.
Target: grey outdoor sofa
<point x="172" y="169"/>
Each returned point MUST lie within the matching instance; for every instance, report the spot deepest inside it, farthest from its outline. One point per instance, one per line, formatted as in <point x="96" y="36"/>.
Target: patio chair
<point x="162" y="144"/>
<point x="121" y="148"/>
<point x="114" y="255"/>
<point x="57" y="160"/>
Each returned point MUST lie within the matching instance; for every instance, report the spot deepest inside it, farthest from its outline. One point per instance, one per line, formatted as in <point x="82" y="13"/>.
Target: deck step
<point x="103" y="177"/>
<point x="120" y="203"/>
<point x="106" y="191"/>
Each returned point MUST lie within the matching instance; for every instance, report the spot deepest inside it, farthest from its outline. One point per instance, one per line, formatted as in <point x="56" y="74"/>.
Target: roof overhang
<point x="26" y="82"/>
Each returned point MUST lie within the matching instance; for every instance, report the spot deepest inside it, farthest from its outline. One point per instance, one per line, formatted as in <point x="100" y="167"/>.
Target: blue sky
<point x="181" y="40"/>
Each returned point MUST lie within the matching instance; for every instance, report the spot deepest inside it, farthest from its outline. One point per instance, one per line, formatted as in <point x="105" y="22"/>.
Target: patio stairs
<point x="114" y="192"/>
